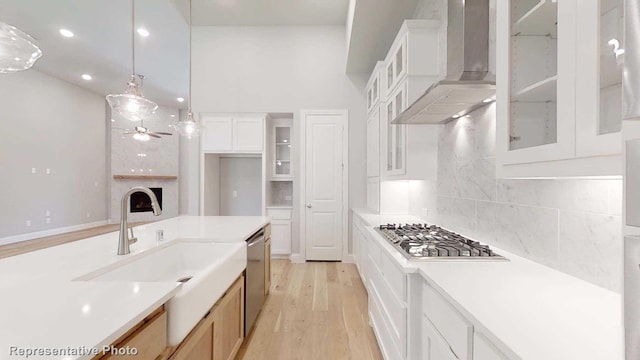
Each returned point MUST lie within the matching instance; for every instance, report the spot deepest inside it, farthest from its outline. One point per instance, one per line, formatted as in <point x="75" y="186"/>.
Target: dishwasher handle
<point x="255" y="238"/>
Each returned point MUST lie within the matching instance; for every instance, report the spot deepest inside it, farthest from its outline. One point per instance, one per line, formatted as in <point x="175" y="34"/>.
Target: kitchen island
<point x="44" y="305"/>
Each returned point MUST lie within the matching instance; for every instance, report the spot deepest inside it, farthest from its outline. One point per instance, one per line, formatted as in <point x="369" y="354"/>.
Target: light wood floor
<point x="315" y="310"/>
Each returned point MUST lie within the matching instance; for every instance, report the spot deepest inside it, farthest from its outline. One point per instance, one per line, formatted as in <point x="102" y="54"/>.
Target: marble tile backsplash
<point x="572" y="225"/>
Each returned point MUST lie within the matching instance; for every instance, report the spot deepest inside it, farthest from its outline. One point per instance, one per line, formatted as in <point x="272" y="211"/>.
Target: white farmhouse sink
<point x="210" y="268"/>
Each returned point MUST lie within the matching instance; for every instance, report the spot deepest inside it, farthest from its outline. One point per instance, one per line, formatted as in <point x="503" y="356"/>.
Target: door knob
<point x="309" y="206"/>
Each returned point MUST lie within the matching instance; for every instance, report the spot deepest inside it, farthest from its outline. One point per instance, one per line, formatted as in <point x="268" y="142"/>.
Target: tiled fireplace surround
<point x="154" y="157"/>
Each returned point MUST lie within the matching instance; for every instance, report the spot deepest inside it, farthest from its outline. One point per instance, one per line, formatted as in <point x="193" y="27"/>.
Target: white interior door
<point x="324" y="185"/>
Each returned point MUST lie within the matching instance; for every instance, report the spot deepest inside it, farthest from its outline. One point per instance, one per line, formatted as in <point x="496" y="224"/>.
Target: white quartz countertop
<point x="536" y="311"/>
<point x="41" y="306"/>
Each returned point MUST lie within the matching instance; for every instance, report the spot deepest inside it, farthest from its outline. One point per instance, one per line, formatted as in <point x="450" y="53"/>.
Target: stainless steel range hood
<point x="468" y="84"/>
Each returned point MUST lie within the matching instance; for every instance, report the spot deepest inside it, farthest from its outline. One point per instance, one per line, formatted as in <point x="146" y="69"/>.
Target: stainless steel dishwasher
<point x="254" y="279"/>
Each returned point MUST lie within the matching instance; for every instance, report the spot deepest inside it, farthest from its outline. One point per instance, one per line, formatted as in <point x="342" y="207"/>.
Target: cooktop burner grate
<point x="430" y="242"/>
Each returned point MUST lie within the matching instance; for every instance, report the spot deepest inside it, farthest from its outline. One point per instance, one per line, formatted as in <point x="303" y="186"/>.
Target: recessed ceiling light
<point x="172" y="115"/>
<point x="180" y="99"/>
<point x="66" y="33"/>
<point x="87" y="77"/>
<point x="143" y="32"/>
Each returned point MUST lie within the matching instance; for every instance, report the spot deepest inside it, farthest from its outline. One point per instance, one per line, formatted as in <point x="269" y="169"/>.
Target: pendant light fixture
<point x="18" y="50"/>
<point x="131" y="104"/>
<point x="188" y="127"/>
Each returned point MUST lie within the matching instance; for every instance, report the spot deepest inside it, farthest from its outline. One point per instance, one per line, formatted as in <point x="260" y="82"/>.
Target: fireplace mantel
<point x="145" y="177"/>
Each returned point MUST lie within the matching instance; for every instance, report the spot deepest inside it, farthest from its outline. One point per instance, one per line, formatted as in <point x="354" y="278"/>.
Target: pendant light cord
<point x="133" y="38"/>
<point x="189" y="104"/>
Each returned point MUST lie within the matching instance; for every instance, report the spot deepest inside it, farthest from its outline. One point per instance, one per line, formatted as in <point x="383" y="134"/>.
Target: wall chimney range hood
<point x="468" y="84"/>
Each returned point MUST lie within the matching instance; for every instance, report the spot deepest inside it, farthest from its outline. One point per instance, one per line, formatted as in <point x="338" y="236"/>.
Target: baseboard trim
<point x="280" y="256"/>
<point x="39" y="234"/>
<point x="350" y="259"/>
<point x="297" y="258"/>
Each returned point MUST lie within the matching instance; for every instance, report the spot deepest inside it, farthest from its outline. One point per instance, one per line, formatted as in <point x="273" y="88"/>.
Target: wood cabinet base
<point x="147" y="340"/>
<point x="219" y="335"/>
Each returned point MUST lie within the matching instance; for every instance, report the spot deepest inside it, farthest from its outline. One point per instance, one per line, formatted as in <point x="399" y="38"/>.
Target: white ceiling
<point x="102" y="43"/>
<point x="375" y="25"/>
<point x="269" y="12"/>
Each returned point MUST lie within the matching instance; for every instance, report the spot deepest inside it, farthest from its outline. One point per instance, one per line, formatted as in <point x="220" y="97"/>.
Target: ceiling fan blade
<point x="162" y="133"/>
<point x="154" y="135"/>
<point x="129" y="132"/>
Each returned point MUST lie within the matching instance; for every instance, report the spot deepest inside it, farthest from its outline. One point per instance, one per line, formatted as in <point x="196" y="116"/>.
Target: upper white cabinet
<point x="414" y="62"/>
<point x="373" y="87"/>
<point x="248" y="134"/>
<point x="217" y="134"/>
<point x="414" y="55"/>
<point x="550" y="121"/>
<point x="373" y="144"/>
<point x="241" y="134"/>
<point x="395" y="135"/>
<point x="281" y="135"/>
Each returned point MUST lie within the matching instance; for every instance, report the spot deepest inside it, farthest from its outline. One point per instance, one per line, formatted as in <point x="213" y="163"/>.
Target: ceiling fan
<point x="142" y="133"/>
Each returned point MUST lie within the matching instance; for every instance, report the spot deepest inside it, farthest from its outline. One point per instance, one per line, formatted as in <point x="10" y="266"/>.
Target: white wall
<point x="240" y="186"/>
<point x="49" y="123"/>
<point x="279" y="69"/>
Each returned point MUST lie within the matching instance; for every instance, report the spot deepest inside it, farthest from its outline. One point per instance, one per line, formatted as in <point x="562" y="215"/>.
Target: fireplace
<point x="141" y="202"/>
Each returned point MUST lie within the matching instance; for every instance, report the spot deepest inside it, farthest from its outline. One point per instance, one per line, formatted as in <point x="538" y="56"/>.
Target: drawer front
<point x="483" y="349"/>
<point x="387" y="345"/>
<point x="150" y="340"/>
<point x="394" y="312"/>
<point x="454" y="328"/>
<point x="374" y="252"/>
<point x="394" y="276"/>
<point x="279" y="214"/>
<point x="433" y="346"/>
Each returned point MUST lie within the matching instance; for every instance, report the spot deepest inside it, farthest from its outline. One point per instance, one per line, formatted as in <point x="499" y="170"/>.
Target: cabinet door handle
<point x="309" y="206"/>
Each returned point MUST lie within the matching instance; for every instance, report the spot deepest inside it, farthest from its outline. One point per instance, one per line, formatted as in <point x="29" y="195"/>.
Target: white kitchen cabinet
<point x="281" y="149"/>
<point x="433" y="346"/>
<point x="483" y="349"/>
<point x="550" y="121"/>
<point x="360" y="248"/>
<point x="373" y="87"/>
<point x="232" y="134"/>
<point x="373" y="144"/>
<point x="217" y="134"/>
<point x="406" y="155"/>
<point x="373" y="194"/>
<point x="600" y="54"/>
<point x="455" y="330"/>
<point x="280" y="230"/>
<point x="387" y="283"/>
<point x="395" y="135"/>
<point x="415" y="52"/>
<point x="248" y="134"/>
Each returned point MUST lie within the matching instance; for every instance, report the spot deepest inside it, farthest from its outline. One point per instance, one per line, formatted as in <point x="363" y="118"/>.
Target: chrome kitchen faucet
<point x="124" y="241"/>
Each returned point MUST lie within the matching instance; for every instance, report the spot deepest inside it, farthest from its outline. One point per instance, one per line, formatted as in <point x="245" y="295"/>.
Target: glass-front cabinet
<point x="282" y="151"/>
<point x="395" y="134"/>
<point x="540" y="86"/>
<point x="558" y="87"/>
<point x="599" y="112"/>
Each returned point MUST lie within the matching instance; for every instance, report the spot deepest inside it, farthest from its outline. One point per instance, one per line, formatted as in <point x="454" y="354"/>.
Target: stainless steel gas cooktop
<point x="430" y="242"/>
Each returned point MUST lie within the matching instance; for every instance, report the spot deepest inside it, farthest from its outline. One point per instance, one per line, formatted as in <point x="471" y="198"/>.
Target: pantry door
<point x="324" y="224"/>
